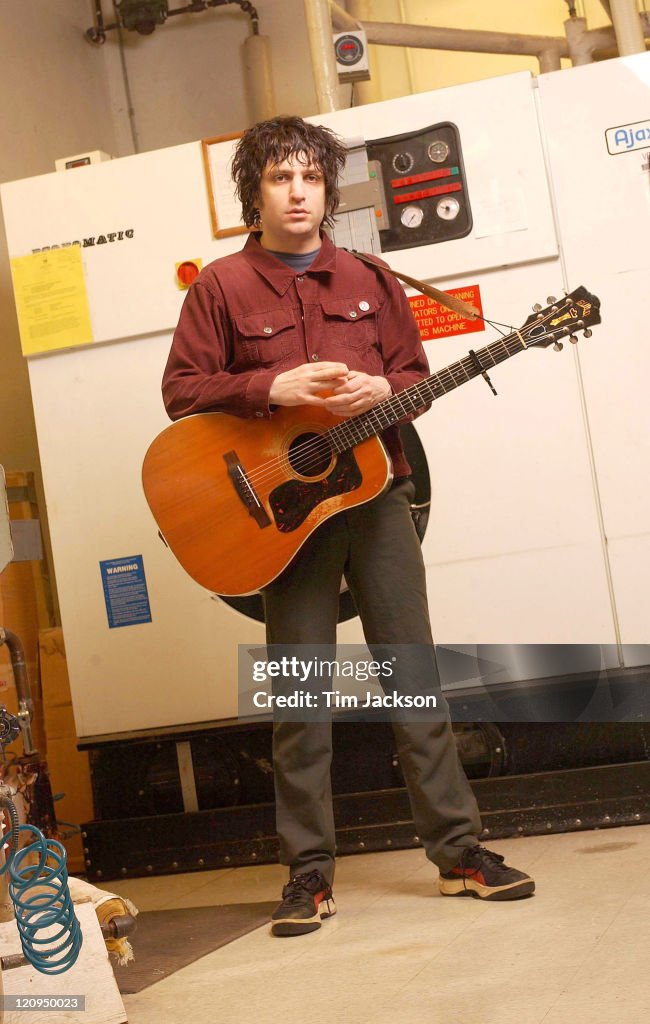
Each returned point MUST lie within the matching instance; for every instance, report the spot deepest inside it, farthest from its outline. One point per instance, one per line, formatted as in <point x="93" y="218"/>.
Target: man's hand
<point x="358" y="393"/>
<point x="304" y="384"/>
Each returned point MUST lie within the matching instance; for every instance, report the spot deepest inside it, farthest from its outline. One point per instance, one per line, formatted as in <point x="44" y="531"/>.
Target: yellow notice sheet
<point x="51" y="300"/>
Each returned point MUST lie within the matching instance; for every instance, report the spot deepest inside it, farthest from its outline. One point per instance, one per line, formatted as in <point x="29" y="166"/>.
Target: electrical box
<point x="351" y="52"/>
<point x="68" y="163"/>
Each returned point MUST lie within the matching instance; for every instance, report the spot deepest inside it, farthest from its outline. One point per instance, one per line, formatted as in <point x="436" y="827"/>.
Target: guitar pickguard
<point x="293" y="500"/>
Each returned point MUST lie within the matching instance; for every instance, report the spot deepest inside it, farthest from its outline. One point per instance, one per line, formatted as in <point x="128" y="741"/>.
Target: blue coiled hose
<point x="41" y="899"/>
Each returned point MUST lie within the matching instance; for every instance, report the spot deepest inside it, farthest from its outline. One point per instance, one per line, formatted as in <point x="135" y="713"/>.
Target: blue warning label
<point x="125" y="591"/>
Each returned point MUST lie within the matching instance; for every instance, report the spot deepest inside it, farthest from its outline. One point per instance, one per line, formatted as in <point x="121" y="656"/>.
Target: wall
<point x="53" y="102"/>
<point x="186" y="79"/>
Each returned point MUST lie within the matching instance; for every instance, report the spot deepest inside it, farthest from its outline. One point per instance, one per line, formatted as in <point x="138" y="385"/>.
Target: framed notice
<point x="225" y="208"/>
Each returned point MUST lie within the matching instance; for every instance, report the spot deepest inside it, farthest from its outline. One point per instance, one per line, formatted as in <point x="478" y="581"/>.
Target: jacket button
<point x="315" y="357"/>
<point x="365" y="306"/>
<point x="353" y="313"/>
<point x="300" y="277"/>
<point x="268" y="330"/>
<point x="259" y="414"/>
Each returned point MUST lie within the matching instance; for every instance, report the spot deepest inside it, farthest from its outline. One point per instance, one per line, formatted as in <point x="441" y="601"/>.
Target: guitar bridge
<point x="245" y="490"/>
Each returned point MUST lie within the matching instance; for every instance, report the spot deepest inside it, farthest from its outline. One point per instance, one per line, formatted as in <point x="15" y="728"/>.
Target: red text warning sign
<point x="435" y="321"/>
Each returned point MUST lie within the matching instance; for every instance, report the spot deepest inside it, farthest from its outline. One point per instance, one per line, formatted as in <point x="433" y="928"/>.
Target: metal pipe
<point x="256" y="53"/>
<point x="627" y="26"/>
<point x="23" y="692"/>
<point x="326" y="78"/>
<point x="342" y="21"/>
<point x="549" y="60"/>
<point x="581" y="50"/>
<point x="428" y="37"/>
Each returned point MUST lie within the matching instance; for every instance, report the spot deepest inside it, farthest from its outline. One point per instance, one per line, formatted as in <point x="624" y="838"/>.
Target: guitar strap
<point x="444" y="298"/>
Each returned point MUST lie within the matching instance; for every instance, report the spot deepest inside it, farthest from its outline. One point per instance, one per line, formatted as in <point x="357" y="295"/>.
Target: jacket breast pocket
<point x="265" y="339"/>
<point x="350" y="323"/>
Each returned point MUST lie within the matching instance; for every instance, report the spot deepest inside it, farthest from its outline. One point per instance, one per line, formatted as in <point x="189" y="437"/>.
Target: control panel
<point x="423" y="187"/>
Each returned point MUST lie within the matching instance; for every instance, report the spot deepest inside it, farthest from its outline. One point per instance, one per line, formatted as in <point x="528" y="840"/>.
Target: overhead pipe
<point x="465" y="40"/>
<point x="580" y="44"/>
<point x="326" y="76"/>
<point x="256" y="53"/>
<point x="627" y="26"/>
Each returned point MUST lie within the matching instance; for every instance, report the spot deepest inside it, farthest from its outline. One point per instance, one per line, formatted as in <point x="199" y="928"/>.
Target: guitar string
<point x="319" y="447"/>
<point x="264" y="472"/>
<point x="307" y="455"/>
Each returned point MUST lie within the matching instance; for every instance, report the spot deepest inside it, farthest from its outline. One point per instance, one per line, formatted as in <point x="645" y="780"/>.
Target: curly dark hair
<point x="271" y="142"/>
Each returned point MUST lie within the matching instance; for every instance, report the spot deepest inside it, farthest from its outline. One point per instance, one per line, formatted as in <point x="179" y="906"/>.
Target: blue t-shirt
<point x="299" y="261"/>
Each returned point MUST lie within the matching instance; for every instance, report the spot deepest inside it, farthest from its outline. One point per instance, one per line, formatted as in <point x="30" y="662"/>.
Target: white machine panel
<point x="603" y="204"/>
<point x="514" y="548"/>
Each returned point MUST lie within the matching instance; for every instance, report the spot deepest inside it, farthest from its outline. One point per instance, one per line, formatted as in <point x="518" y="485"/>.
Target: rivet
<point x="98" y="874"/>
<point x="268" y="330"/>
<point x="149" y="867"/>
<point x="123" y="871"/>
<point x="519" y="828"/>
<point x="227" y="860"/>
<point x="353" y="313"/>
<point x="578" y="821"/>
<point x="607" y="818"/>
<point x="201" y="862"/>
<point x="549" y="824"/>
<point x="497" y="750"/>
<point x="362" y="845"/>
<point x="86" y="850"/>
<point x="174" y="863"/>
<point x="84" y="835"/>
<point x="389" y="842"/>
<point x="416" y="839"/>
<point x="637" y="817"/>
<point x="253" y="856"/>
<point x="485" y="832"/>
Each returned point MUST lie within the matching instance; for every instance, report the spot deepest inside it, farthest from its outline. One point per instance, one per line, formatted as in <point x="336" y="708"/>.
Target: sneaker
<point x="483" y="874"/>
<point x="306" y="899"/>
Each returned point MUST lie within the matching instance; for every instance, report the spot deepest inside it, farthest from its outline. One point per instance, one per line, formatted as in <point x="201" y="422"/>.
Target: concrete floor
<point x="575" y="953"/>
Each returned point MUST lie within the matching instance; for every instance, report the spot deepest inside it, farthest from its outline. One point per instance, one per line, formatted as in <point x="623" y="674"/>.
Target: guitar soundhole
<point x="310" y="456"/>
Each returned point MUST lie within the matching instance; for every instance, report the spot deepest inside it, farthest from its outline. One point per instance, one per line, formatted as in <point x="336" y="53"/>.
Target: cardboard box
<point x="69" y="768"/>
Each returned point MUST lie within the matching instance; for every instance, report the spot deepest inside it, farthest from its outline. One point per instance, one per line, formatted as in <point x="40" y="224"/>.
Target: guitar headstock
<point x="578" y="311"/>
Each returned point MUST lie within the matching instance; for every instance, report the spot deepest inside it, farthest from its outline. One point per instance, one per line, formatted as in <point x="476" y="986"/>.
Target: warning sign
<point x="436" y="321"/>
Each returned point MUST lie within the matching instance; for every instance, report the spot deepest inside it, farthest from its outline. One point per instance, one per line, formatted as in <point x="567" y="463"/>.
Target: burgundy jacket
<point x="249" y="316"/>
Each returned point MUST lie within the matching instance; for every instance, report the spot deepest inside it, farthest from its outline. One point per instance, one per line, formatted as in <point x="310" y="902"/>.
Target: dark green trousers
<point x="377" y="549"/>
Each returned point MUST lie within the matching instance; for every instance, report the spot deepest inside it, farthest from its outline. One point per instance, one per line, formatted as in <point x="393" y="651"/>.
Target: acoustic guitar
<point x="235" y="499"/>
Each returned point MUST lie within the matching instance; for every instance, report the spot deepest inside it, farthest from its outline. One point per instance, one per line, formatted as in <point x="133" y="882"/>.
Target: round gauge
<point x="348" y="50"/>
<point x="448" y="208"/>
<point x="412" y="216"/>
<point x="403" y="162"/>
<point x="438" y="151"/>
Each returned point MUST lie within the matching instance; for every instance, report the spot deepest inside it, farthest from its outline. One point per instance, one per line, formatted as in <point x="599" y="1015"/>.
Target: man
<point x="292" y="320"/>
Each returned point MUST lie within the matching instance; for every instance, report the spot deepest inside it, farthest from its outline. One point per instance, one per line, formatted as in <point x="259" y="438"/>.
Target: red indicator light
<point x="415" y="179"/>
<point x="424" y="193"/>
<point x="187" y="272"/>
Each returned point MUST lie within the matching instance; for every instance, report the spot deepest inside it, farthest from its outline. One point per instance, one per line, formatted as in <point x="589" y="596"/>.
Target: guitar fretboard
<point x="353" y="431"/>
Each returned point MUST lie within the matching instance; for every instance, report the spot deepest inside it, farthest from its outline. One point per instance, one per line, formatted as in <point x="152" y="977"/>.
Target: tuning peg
<point x="551" y="299"/>
<point x="587" y="333"/>
<point x="558" y="346"/>
<point x="573" y="339"/>
<point x="537" y="308"/>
